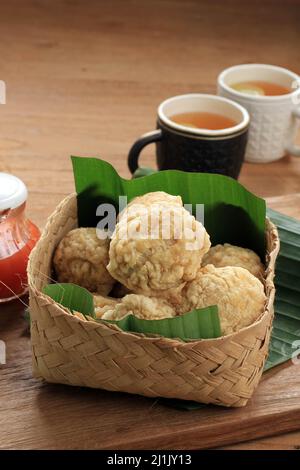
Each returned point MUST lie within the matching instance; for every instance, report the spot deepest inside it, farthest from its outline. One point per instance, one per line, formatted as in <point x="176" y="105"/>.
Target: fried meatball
<point x="141" y="306"/>
<point x="238" y="294"/>
<point x="103" y="303"/>
<point x="137" y="205"/>
<point x="157" y="246"/>
<point x="81" y="258"/>
<point x="229" y="255"/>
<point x="156" y="197"/>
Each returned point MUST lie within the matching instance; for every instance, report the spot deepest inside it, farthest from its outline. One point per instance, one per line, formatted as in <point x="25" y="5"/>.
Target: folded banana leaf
<point x="285" y="339"/>
<point x="231" y="213"/>
<point x="71" y="296"/>
<point x="198" y="324"/>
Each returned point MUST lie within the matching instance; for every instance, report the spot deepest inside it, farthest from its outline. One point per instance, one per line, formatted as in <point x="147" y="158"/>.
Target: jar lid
<point x="13" y="192"/>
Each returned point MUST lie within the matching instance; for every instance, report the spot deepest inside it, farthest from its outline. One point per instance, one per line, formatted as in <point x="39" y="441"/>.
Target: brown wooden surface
<point x="85" y="78"/>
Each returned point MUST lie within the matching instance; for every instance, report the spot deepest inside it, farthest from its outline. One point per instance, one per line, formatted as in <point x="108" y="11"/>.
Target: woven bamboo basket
<point x="70" y="350"/>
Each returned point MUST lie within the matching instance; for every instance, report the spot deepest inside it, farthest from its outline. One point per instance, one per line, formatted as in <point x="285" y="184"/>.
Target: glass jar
<point x="18" y="235"/>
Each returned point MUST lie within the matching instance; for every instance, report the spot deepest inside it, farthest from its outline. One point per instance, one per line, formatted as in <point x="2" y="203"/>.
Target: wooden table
<point x="85" y="78"/>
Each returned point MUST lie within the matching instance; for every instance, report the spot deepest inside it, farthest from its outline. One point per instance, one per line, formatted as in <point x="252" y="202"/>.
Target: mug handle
<point x="138" y="146"/>
<point x="294" y="149"/>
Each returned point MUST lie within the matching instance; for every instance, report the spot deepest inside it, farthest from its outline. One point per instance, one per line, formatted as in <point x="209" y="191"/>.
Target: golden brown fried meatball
<point x="156" y="247"/>
<point x="103" y="303"/>
<point x="136" y="206"/>
<point x="141" y="306"/>
<point x="156" y="197"/>
<point x="81" y="258"/>
<point x="238" y="294"/>
<point x="229" y="255"/>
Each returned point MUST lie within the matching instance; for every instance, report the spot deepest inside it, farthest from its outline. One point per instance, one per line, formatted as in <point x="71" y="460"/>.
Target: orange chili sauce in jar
<point x="18" y="236"/>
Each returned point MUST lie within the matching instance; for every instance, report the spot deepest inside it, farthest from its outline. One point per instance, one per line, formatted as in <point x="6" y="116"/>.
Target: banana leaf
<point x="231" y="213"/>
<point x="285" y="339"/>
<point x="198" y="324"/>
<point x="71" y="296"/>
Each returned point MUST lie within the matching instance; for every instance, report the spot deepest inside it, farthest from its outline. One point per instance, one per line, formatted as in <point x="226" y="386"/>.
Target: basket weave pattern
<point x="70" y="350"/>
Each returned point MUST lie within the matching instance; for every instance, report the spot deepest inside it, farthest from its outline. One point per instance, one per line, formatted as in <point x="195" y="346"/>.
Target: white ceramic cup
<point x="273" y="119"/>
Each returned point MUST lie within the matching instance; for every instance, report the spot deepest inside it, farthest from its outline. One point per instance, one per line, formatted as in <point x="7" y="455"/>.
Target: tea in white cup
<point x="271" y="95"/>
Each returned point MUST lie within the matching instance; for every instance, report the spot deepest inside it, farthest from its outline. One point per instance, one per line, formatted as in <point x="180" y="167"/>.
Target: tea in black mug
<point x="197" y="132"/>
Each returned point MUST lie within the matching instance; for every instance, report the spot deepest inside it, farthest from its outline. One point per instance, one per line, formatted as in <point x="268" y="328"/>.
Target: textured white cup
<point x="273" y="119"/>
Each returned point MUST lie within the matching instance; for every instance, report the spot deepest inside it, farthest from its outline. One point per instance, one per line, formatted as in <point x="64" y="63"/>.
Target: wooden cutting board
<point x="42" y="416"/>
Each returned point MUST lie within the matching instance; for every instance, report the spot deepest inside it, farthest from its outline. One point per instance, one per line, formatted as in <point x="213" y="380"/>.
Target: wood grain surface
<point x="85" y="78"/>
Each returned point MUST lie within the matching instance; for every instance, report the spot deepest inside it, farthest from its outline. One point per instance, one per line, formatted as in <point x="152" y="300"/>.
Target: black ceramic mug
<point x="193" y="149"/>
